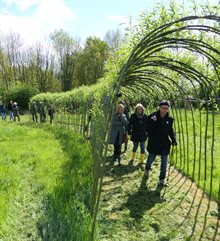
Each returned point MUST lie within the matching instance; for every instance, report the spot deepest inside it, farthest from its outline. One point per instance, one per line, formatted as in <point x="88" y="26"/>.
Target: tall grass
<point x="46" y="182"/>
<point x="67" y="208"/>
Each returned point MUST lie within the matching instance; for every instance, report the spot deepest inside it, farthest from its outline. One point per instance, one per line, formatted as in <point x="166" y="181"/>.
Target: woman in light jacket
<point x="117" y="131"/>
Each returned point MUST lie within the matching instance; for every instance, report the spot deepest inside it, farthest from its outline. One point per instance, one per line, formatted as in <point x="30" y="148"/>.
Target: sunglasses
<point x="164" y="108"/>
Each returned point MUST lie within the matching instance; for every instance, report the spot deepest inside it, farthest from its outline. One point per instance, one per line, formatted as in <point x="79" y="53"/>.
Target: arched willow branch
<point x="150" y="68"/>
<point x="155" y="71"/>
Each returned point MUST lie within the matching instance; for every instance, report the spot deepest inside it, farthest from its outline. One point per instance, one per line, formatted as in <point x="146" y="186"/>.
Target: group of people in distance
<point x="42" y="110"/>
<point x="12" y="109"/>
<point x="156" y="127"/>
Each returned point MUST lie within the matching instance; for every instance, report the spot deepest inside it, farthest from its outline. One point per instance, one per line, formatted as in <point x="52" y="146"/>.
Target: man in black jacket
<point x="160" y="131"/>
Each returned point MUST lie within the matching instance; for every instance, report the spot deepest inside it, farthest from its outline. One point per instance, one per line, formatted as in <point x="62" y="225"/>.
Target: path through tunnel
<point x="179" y="61"/>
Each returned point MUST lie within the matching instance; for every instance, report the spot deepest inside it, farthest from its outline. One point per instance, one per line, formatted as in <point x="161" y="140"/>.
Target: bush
<point x="21" y="94"/>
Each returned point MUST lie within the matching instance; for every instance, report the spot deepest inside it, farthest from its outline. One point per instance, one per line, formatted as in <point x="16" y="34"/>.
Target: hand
<point x="154" y="118"/>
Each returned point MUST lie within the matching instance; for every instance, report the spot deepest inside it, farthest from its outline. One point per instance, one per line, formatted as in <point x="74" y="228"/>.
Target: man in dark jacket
<point x="33" y="110"/>
<point x="10" y="109"/>
<point x="51" y="112"/>
<point x="160" y="137"/>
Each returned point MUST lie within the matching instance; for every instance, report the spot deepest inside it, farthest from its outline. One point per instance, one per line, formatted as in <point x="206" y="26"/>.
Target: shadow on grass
<point x="112" y="168"/>
<point x="142" y="200"/>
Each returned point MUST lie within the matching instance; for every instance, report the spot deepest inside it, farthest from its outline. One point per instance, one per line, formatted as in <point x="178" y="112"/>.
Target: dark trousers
<point x="34" y="117"/>
<point x="16" y="115"/>
<point x="51" y="118"/>
<point x="117" y="146"/>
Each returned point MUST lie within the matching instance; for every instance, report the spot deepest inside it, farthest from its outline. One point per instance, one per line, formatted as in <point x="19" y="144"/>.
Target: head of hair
<point x="120" y="105"/>
<point x="139" y="105"/>
<point x="165" y="102"/>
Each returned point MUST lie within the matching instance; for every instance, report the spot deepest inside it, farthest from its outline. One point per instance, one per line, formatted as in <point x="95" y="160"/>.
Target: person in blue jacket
<point x="3" y="111"/>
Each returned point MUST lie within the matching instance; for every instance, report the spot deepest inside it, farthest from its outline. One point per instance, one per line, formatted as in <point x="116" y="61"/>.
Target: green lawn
<point x="198" y="150"/>
<point x="45" y="183"/>
<point x="135" y="209"/>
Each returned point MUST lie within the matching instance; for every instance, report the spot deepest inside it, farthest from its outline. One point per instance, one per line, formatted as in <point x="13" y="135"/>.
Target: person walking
<point x="33" y="110"/>
<point x="160" y="138"/>
<point x="10" y="109"/>
<point x="137" y="128"/>
<point x="126" y="112"/>
<point x="16" y="108"/>
<point x="51" y="112"/>
<point x="42" y="110"/>
<point x="3" y="111"/>
<point x="119" y="125"/>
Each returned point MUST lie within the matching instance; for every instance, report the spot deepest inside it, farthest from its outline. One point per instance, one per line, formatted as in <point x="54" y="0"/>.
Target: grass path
<point x="135" y="209"/>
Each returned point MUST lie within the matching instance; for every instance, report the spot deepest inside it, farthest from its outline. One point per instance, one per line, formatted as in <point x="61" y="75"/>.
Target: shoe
<point x="114" y="158"/>
<point x="146" y="173"/>
<point x="163" y="183"/>
<point x="141" y="161"/>
<point x="133" y="155"/>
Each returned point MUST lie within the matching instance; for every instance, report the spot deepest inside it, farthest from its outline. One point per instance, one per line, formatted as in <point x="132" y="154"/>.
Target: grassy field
<point x="45" y="183"/>
<point x="198" y="150"/>
<point x="46" y="195"/>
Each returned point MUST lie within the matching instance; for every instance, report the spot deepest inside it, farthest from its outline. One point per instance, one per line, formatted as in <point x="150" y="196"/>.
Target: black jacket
<point x="159" y="134"/>
<point x="137" y="127"/>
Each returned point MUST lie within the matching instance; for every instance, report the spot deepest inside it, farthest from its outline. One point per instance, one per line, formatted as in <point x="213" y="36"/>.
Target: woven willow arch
<point x="150" y="72"/>
<point x="153" y="71"/>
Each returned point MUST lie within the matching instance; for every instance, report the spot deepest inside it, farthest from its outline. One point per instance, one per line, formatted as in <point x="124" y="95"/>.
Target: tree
<point x="91" y="62"/>
<point x="114" y="39"/>
<point x="66" y="48"/>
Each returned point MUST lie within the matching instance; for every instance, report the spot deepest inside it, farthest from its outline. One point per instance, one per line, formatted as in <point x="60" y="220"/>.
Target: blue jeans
<point x="163" y="166"/>
<point x="142" y="145"/>
<point x="3" y="116"/>
<point x="11" y="115"/>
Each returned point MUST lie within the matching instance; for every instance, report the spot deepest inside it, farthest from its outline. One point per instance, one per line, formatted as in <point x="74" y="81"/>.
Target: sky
<point x="36" y="19"/>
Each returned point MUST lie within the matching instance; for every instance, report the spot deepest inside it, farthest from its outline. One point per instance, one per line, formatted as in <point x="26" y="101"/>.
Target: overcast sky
<point x="34" y="19"/>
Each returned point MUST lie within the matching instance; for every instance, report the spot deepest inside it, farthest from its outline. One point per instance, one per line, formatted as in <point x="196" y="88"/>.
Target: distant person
<point x="10" y="109"/>
<point x="160" y="137"/>
<point x="16" y="108"/>
<point x="3" y="111"/>
<point x="137" y="128"/>
<point x="126" y="112"/>
<point x="51" y="112"/>
<point x="42" y="110"/>
<point x="33" y="111"/>
<point x="119" y="125"/>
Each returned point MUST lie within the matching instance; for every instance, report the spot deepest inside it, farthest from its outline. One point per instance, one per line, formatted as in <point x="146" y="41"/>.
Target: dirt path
<point x="133" y="209"/>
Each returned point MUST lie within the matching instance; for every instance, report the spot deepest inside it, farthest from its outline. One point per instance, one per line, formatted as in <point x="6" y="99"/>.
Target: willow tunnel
<point x="180" y="62"/>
